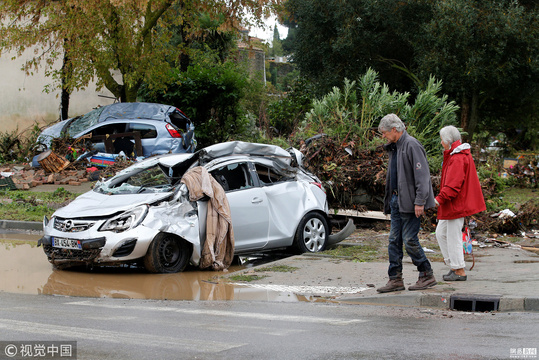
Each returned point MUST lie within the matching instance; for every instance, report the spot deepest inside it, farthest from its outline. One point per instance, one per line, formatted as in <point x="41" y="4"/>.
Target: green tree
<point x="486" y="52"/>
<point x="276" y="45"/>
<point x="333" y="39"/>
<point x="122" y="43"/>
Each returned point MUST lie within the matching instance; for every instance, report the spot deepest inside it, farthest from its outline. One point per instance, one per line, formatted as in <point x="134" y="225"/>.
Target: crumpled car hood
<point x="92" y="204"/>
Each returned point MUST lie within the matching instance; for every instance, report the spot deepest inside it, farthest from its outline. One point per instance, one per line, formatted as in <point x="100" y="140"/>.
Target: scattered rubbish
<point x="503" y="214"/>
<point x="427" y="250"/>
<point x="51" y="162"/>
<point x="7" y="183"/>
<point x="103" y="159"/>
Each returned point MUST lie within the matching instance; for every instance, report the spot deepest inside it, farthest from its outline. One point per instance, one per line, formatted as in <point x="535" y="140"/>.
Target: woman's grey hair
<point x="391" y="121"/>
<point x="450" y="134"/>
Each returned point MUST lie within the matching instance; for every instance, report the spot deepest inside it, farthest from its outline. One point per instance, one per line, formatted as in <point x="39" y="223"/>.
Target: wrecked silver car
<point x="147" y="213"/>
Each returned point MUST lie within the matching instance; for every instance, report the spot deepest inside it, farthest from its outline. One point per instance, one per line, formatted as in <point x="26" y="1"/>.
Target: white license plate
<point x="66" y="243"/>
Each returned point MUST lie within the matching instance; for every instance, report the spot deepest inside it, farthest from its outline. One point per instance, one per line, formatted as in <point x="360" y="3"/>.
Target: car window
<point x="146" y="131"/>
<point x="268" y="176"/>
<point x="181" y="122"/>
<point x="109" y="129"/>
<point x="84" y="122"/>
<point x="233" y="177"/>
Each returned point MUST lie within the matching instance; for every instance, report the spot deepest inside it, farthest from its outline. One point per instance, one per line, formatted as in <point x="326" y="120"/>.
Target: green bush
<point x="210" y="93"/>
<point x="285" y="113"/>
<point x="355" y="110"/>
<point x="428" y="114"/>
<point x="18" y="146"/>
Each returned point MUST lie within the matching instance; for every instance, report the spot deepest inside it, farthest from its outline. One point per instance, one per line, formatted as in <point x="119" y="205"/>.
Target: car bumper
<point x="97" y="247"/>
<point x="343" y="234"/>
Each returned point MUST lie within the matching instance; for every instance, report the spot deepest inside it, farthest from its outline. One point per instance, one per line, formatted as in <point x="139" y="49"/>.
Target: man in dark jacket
<point x="408" y="194"/>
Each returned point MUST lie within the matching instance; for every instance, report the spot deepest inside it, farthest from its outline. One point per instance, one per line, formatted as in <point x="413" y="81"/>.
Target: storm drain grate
<point x="480" y="303"/>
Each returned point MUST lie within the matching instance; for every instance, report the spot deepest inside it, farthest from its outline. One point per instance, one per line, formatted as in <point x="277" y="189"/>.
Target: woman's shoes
<point x="451" y="276"/>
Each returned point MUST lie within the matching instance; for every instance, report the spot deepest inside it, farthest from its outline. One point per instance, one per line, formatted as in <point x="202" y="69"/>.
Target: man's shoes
<point x="452" y="276"/>
<point x="423" y="283"/>
<point x="392" y="285"/>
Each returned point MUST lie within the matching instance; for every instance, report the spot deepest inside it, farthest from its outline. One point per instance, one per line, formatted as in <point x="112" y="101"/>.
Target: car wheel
<point x="311" y="234"/>
<point x="167" y="254"/>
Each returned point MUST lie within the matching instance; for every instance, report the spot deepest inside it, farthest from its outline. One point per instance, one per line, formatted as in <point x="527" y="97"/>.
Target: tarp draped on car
<point x="218" y="249"/>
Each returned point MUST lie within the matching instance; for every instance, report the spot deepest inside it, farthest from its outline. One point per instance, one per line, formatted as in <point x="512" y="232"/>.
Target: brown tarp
<point x="218" y="249"/>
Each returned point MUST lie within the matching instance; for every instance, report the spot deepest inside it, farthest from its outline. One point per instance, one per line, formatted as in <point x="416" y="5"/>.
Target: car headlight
<point x="125" y="221"/>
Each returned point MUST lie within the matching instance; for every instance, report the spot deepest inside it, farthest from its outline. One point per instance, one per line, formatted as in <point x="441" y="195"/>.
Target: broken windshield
<point x="148" y="180"/>
<point x="85" y="121"/>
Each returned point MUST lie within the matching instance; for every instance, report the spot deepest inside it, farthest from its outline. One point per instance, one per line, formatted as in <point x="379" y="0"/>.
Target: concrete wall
<point x="23" y="102"/>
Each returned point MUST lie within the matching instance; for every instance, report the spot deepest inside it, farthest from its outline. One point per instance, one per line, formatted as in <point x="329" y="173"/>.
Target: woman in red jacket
<point x="460" y="196"/>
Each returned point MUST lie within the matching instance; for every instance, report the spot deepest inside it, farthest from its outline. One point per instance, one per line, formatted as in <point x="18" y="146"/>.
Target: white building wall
<point x="23" y="102"/>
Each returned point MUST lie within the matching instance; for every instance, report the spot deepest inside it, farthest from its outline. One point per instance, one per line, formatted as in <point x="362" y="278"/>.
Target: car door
<point x="148" y="137"/>
<point x="248" y="205"/>
<point x="285" y="198"/>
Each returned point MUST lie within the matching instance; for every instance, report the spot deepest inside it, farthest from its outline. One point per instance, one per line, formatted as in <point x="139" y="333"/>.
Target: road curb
<point x="21" y="225"/>
<point x="443" y="301"/>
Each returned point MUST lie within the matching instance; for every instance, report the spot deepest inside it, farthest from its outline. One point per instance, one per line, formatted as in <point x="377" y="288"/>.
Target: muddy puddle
<point x="24" y="269"/>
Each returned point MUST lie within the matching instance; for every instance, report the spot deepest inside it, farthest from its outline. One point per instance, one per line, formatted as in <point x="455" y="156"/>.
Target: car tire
<point x="167" y="254"/>
<point x="312" y="233"/>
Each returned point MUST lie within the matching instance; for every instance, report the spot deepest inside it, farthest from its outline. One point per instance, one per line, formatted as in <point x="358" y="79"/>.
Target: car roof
<point x="243" y="148"/>
<point x="138" y="110"/>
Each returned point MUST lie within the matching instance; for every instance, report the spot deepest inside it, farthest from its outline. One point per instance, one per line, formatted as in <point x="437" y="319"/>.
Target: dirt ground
<point x="371" y="241"/>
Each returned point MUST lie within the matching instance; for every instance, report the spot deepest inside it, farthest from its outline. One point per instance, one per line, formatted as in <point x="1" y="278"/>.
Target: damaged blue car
<point x="155" y="128"/>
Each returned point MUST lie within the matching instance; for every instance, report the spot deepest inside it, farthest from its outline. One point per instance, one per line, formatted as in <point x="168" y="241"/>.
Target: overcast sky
<point x="266" y="33"/>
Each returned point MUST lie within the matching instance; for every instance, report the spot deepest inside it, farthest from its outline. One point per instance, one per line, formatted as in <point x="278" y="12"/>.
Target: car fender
<point x="177" y="217"/>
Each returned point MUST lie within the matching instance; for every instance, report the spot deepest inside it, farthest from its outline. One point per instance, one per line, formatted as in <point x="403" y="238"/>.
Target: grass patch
<point x="277" y="268"/>
<point x="518" y="196"/>
<point x="24" y="212"/>
<point x="32" y="206"/>
<point x="246" y="277"/>
<point x="360" y="253"/>
<point x="8" y="244"/>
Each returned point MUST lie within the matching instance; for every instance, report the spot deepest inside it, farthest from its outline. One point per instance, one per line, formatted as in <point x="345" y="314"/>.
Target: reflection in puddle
<point x="25" y="269"/>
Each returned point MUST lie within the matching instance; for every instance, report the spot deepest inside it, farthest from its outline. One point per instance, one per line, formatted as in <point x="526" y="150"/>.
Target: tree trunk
<point x="66" y="75"/>
<point x="465" y="113"/>
<point x="474" y="114"/>
<point x="64" y="102"/>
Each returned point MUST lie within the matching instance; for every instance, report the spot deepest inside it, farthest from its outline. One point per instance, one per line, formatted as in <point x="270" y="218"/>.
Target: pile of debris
<point x="26" y="177"/>
<point x="59" y="170"/>
<point x="354" y="178"/>
<point x="525" y="175"/>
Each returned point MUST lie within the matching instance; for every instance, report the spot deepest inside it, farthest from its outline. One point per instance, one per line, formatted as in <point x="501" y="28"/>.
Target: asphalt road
<point x="145" y="329"/>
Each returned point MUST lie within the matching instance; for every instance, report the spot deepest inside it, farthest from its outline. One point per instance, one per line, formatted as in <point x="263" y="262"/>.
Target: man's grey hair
<point x="450" y="134"/>
<point x="391" y="121"/>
